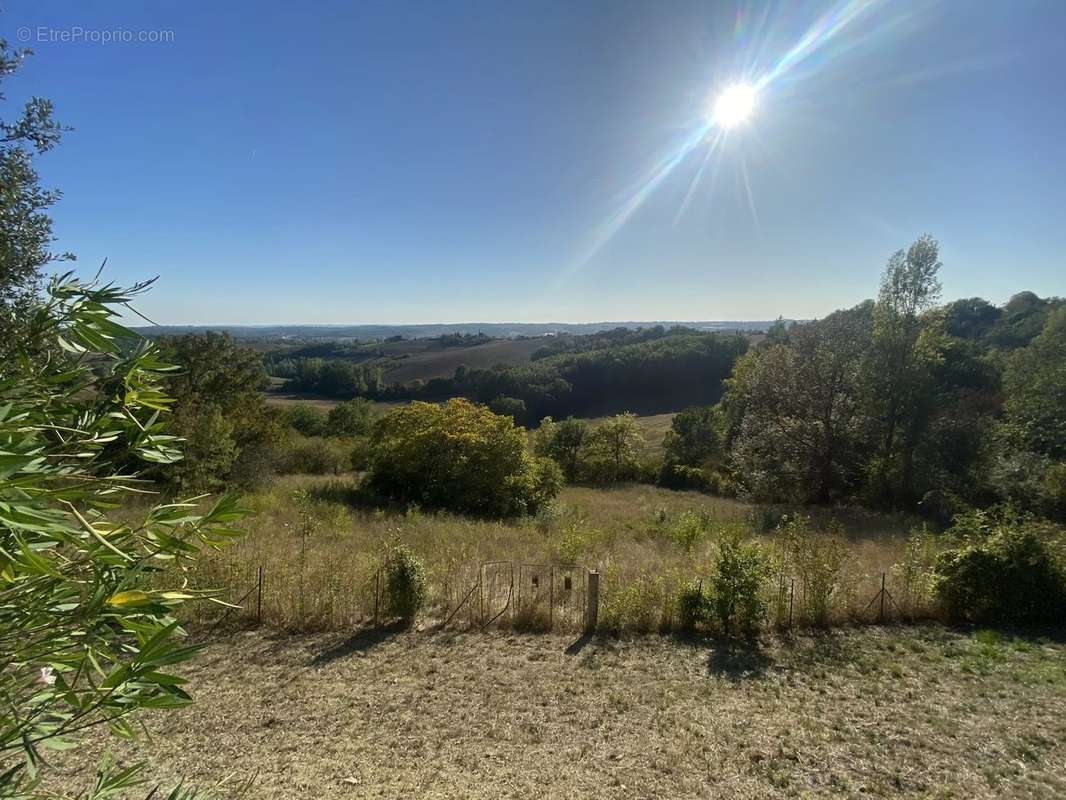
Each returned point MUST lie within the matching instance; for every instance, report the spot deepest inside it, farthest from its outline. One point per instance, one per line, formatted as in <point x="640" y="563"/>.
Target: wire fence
<point x="523" y="596"/>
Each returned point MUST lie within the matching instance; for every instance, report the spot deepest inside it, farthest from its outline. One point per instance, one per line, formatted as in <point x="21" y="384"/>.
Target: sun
<point x="733" y="106"/>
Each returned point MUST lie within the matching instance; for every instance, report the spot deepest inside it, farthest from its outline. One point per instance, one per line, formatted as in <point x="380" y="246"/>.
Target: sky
<point x="366" y="162"/>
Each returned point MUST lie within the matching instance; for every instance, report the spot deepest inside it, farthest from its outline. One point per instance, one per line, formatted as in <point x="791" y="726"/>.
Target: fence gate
<point x="534" y="596"/>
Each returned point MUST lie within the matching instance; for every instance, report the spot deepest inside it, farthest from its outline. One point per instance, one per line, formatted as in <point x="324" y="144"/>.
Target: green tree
<point x="509" y="407"/>
<point x="350" y="418"/>
<point x="305" y="419"/>
<point x="459" y="456"/>
<point x="801" y="426"/>
<point x="613" y="448"/>
<point x="25" y="227"/>
<point x="899" y="371"/>
<point x="218" y="388"/>
<point x="563" y="442"/>
<point x="1035" y="387"/>
<point x="88" y="601"/>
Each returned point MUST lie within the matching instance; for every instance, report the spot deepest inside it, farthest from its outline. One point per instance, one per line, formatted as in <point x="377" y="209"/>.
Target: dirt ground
<point x="856" y="713"/>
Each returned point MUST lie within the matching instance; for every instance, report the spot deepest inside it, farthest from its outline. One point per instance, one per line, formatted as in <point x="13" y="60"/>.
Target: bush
<point x="405" y="584"/>
<point x="693" y="606"/>
<point x="305" y="419"/>
<point x="350" y="418"/>
<point x="740" y="570"/>
<point x="817" y="559"/>
<point x="458" y="456"/>
<point x="690" y="529"/>
<point x="315" y="456"/>
<point x="1000" y="571"/>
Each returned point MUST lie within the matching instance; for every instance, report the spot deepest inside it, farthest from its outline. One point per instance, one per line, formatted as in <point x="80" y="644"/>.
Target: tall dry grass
<point x="318" y="550"/>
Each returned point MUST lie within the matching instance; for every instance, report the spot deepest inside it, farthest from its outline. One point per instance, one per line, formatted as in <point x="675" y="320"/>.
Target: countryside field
<point x="919" y="712"/>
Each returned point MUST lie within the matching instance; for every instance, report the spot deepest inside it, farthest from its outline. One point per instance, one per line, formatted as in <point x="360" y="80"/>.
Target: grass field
<point x="877" y="712"/>
<point x="318" y="554"/>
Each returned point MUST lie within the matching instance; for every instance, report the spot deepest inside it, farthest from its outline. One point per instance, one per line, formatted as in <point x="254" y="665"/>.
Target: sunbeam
<point x="731" y="108"/>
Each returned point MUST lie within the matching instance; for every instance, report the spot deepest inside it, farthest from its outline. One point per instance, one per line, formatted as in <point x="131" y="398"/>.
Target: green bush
<point x="315" y="456"/>
<point x="350" y="418"/>
<point x="305" y="419"/>
<point x="817" y="560"/>
<point x="405" y="584"/>
<point x="693" y="606"/>
<point x="690" y="529"/>
<point x="740" y="571"/>
<point x="458" y="456"/>
<point x="1000" y="571"/>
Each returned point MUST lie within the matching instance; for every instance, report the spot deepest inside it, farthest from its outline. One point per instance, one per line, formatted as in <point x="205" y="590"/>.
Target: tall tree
<point x="25" y="227"/>
<point x="800" y="425"/>
<point x="900" y="365"/>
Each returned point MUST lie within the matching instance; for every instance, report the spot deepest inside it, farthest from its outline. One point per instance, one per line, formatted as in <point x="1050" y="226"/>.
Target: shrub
<point x="360" y="454"/>
<point x="916" y="571"/>
<point x="458" y="456"/>
<point x="405" y="584"/>
<point x="1000" y="571"/>
<point x="635" y="607"/>
<point x="740" y="570"/>
<point x="305" y="419"/>
<point x="817" y="559"/>
<point x="350" y="418"/>
<point x="693" y="606"/>
<point x="690" y="529"/>
<point x="315" y="456"/>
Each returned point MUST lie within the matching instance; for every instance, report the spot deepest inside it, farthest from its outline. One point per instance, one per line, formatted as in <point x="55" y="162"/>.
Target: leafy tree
<point x="509" y="407"/>
<point x="694" y="438"/>
<point x="1035" y="385"/>
<point x="217" y="391"/>
<point x="970" y="318"/>
<point x="305" y="419"/>
<point x="350" y="418"/>
<point x="800" y="406"/>
<point x="459" y="456"/>
<point x="563" y="442"/>
<point x="613" y="448"/>
<point x="898" y="378"/>
<point x="87" y="600"/>
<point x="693" y="449"/>
<point x="25" y="227"/>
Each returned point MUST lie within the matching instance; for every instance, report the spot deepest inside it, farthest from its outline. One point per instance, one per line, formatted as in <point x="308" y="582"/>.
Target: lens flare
<point x="733" y="106"/>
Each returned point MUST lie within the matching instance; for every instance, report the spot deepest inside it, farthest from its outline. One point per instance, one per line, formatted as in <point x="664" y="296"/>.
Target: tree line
<point x="898" y="402"/>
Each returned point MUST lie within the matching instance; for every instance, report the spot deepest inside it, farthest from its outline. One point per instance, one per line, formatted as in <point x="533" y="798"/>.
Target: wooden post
<point x="791" y="598"/>
<point x="259" y="598"/>
<point x="592" y="602"/>
<point x="881" y="613"/>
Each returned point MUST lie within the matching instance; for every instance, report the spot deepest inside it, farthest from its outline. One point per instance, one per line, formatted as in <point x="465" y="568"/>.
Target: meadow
<point x="319" y="547"/>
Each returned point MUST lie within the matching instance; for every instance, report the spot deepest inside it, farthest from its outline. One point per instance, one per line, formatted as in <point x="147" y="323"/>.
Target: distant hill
<point x="499" y="330"/>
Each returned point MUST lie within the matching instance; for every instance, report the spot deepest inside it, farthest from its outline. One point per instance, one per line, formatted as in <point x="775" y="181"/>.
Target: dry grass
<point x="318" y="562"/>
<point x="919" y="712"/>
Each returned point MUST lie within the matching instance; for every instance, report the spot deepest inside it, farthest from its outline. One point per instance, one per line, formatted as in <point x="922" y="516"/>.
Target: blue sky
<point x="450" y="161"/>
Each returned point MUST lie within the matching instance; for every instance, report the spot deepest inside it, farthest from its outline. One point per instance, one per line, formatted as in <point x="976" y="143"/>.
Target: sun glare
<point x="733" y="106"/>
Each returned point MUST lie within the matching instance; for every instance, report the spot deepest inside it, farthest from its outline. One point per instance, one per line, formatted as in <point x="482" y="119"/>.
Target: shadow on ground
<point x="738" y="661"/>
<point x="364" y="640"/>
